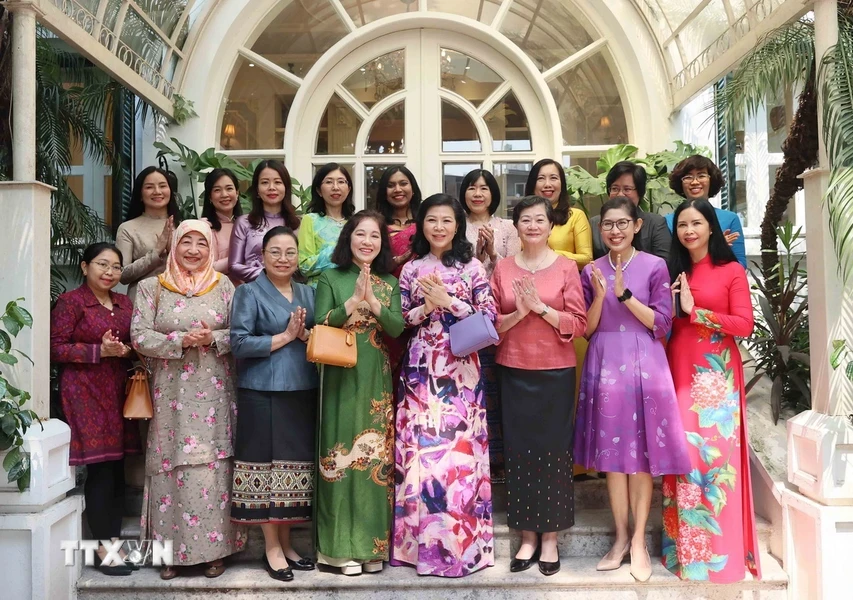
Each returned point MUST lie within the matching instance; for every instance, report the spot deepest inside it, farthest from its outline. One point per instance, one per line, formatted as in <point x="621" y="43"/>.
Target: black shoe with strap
<point x="279" y="574"/>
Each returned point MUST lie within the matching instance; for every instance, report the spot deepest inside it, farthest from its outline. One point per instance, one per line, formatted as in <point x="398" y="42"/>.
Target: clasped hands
<point x="526" y="297"/>
<point x="296" y="327"/>
<point x="198" y="336"/>
<point x="112" y="346"/>
<point x="364" y="291"/>
<point x="486" y="244"/>
<point x="682" y="286"/>
<point x="435" y="292"/>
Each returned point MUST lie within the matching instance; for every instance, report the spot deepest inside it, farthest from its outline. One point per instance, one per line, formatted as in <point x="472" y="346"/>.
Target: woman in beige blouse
<point x="220" y="207"/>
<point x="144" y="236"/>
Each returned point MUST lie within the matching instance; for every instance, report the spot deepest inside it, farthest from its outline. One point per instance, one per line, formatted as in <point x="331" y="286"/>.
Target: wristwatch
<point x="545" y="311"/>
<point x="625" y="295"/>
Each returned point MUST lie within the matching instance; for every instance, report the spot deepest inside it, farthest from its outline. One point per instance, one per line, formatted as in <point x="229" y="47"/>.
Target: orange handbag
<point x="332" y="346"/>
<point x="137" y="404"/>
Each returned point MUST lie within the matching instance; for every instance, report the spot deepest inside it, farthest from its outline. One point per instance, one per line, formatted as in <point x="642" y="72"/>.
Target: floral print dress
<point x="709" y="522"/>
<point x="443" y="504"/>
<point x="188" y="468"/>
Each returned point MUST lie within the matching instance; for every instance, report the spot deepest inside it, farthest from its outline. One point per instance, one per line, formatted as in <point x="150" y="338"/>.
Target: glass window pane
<point x="378" y="78"/>
<point x="739" y="205"/>
<point x="512" y="178"/>
<point x="508" y="125"/>
<point x="467" y="76"/>
<point x="590" y="203"/>
<point x="75" y="184"/>
<point x="589" y="104"/>
<point x="777" y="122"/>
<point x="483" y="11"/>
<point x="300" y="34"/>
<point x="164" y="14"/>
<point x="256" y="110"/>
<point x="700" y="32"/>
<point x="108" y="200"/>
<point x="338" y="128"/>
<point x="458" y="133"/>
<point x="386" y="135"/>
<point x="453" y="174"/>
<point x="372" y="175"/>
<point x="363" y="12"/>
<point x="139" y="37"/>
<point x="546" y="30"/>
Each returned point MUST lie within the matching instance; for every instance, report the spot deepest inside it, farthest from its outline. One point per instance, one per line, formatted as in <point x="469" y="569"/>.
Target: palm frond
<point x="836" y="76"/>
<point x="784" y="56"/>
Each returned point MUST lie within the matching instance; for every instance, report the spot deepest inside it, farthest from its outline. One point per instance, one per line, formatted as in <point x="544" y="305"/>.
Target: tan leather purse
<point x="137" y="404"/>
<point x="332" y="346"/>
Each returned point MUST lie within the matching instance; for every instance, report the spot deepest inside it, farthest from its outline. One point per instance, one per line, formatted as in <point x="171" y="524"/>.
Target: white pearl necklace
<point x="626" y="263"/>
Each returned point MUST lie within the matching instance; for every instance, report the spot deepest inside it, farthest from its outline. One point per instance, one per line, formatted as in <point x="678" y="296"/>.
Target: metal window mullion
<point x="144" y="16"/>
<point x="122" y="13"/>
<point x="183" y="19"/>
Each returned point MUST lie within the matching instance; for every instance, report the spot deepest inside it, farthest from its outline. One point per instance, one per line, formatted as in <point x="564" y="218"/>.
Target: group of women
<point x="393" y="459"/>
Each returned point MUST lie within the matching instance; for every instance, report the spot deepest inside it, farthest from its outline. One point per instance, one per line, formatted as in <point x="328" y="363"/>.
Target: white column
<point x="816" y="517"/>
<point x="23" y="89"/>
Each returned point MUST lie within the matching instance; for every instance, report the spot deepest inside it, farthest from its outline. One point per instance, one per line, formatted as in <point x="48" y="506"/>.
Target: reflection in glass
<point x="511" y="180"/>
<point x="452" y="174"/>
<point x="546" y="30"/>
<point x="338" y="128"/>
<point x="256" y="110"/>
<point x="372" y="175"/>
<point x="363" y="12"/>
<point x="701" y="31"/>
<point x="458" y="133"/>
<point x="138" y="35"/>
<point x="378" y="78"/>
<point x="508" y="126"/>
<point x="589" y="105"/>
<point x="300" y="34"/>
<point x="467" y="76"/>
<point x="388" y="132"/>
<point x="164" y="14"/>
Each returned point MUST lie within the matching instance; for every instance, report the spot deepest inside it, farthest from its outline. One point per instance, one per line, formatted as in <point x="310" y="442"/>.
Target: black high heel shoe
<point x="303" y="564"/>
<point x="112" y="570"/>
<point x="279" y="574"/>
<point x="517" y="565"/>
<point x="549" y="568"/>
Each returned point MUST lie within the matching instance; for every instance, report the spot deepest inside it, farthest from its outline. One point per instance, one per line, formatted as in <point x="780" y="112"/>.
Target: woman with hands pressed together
<point x="443" y="508"/>
<point x="715" y="309"/>
<point x="274" y="450"/>
<point x="356" y="416"/>
<point x="628" y="418"/>
<point x="540" y="311"/>
<point x="181" y="320"/>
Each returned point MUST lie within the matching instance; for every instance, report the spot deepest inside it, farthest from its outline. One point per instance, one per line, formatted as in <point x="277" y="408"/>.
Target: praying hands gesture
<point x="363" y="292"/>
<point x="486" y="244"/>
<point x="196" y="337"/>
<point x="526" y="297"/>
<point x="681" y="285"/>
<point x="434" y="291"/>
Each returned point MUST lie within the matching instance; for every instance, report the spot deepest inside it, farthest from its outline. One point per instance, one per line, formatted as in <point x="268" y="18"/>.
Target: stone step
<point x="591" y="536"/>
<point x="577" y="580"/>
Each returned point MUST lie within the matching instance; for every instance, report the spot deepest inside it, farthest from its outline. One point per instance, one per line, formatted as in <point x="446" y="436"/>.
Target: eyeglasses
<point x="106" y="267"/>
<point x="700" y="177"/>
<point x="277" y="254"/>
<point x="340" y="182"/>
<point x="615" y="189"/>
<point x="621" y="224"/>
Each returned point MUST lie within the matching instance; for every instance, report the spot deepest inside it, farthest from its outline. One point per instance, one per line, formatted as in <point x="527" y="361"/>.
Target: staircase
<point x="580" y="549"/>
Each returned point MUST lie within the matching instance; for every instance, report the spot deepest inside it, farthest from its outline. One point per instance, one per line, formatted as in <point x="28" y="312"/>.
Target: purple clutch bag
<point x="472" y="334"/>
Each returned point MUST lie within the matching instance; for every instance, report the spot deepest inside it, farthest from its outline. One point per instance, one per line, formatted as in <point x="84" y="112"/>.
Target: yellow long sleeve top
<point x="574" y="239"/>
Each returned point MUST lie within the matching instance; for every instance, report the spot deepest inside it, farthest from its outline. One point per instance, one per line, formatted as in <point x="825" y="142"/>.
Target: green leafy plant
<point x="840" y="353"/>
<point x="15" y="420"/>
<point x="780" y="341"/>
<point x="182" y="109"/>
<point x="582" y="184"/>
<point x="196" y="166"/>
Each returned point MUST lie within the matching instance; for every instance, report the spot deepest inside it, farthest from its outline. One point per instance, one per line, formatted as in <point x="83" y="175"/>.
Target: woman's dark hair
<point x="530" y="202"/>
<point x="288" y="213"/>
<point x="208" y="211"/>
<point x="718" y="248"/>
<point x="623" y="203"/>
<point x="696" y="162"/>
<point x="564" y="207"/>
<point x="137" y="207"/>
<point x="317" y="204"/>
<point x="627" y="167"/>
<point x="470" y="179"/>
<point x="93" y="250"/>
<point x="382" y="204"/>
<point x="461" y="249"/>
<point x="342" y="255"/>
<point x="276" y="231"/>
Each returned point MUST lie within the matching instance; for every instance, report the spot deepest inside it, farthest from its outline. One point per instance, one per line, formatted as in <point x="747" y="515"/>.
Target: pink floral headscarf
<point x="200" y="281"/>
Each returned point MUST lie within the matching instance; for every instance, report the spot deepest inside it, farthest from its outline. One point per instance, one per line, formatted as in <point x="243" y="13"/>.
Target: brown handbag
<point x="332" y="346"/>
<point x="137" y="404"/>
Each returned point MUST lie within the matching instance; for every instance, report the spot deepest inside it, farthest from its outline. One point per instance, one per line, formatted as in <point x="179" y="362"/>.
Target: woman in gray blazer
<point x="277" y="390"/>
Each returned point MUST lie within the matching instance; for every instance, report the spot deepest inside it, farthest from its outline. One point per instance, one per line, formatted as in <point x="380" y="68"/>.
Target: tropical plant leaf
<point x="776" y="398"/>
<point x="839" y="349"/>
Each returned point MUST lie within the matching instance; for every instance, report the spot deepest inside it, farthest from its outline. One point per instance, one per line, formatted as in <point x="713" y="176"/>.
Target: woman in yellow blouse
<point x="570" y="236"/>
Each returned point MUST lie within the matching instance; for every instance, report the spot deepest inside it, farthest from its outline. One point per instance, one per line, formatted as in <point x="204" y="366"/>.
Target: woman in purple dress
<point x="628" y="423"/>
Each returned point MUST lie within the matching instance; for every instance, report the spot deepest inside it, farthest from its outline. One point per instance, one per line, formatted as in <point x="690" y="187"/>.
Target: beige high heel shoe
<point x="641" y="574"/>
<point x="611" y="564"/>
